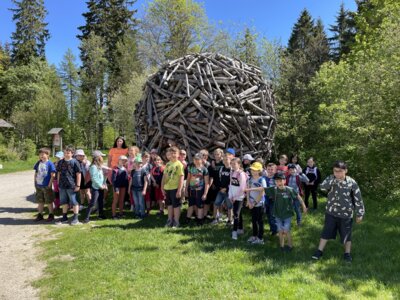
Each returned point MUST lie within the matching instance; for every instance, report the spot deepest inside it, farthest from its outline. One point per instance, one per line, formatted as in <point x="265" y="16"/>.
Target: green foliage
<point x="109" y="137"/>
<point x="245" y="47"/>
<point x="27" y="149"/>
<point x="30" y="36"/>
<point x="359" y="110"/>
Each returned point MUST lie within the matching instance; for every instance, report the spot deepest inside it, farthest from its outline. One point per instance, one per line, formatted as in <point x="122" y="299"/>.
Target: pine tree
<point x="247" y="48"/>
<point x="302" y="32"/>
<point x="343" y="33"/>
<point x="68" y="72"/>
<point x="31" y="34"/>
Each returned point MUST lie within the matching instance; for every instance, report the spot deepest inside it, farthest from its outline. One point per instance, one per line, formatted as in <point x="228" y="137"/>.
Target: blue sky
<point x="271" y="18"/>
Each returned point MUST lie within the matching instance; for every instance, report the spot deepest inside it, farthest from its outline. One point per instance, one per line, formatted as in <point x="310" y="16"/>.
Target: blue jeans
<point x="221" y="198"/>
<point x="283" y="224"/>
<point x="269" y="206"/>
<point x="68" y="196"/>
<point x="296" y="206"/>
<point x="138" y="198"/>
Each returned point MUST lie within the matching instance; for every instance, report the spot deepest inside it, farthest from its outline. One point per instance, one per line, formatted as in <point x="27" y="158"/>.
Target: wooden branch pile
<point x="207" y="101"/>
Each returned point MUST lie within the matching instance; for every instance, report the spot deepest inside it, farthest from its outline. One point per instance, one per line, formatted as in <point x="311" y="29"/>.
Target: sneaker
<point x="132" y="208"/>
<point x="75" y="222"/>
<point x="168" y="224"/>
<point x="175" y="224"/>
<point x="347" y="257"/>
<point x="317" y="255"/>
<point x="228" y="223"/>
<point x="288" y="248"/>
<point x="240" y="231"/>
<point x="62" y="221"/>
<point x="50" y="218"/>
<point x="252" y="239"/>
<point x="121" y="215"/>
<point x="85" y="221"/>
<point x="214" y="222"/>
<point x="101" y="217"/>
<point x="116" y="217"/>
<point x="39" y="218"/>
<point x="258" y="242"/>
<point x="234" y="235"/>
<point x="160" y="213"/>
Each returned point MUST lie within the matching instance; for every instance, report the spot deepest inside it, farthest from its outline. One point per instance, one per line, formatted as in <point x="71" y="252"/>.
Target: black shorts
<point x="85" y="186"/>
<point x="333" y="225"/>
<point x="211" y="195"/>
<point x="195" y="198"/>
<point x="171" y="200"/>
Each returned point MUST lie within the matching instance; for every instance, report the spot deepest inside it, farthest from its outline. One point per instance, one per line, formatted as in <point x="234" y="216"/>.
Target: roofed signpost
<point x="57" y="138"/>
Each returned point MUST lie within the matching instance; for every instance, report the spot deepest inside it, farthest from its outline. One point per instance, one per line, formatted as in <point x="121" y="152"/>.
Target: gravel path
<point x="19" y="264"/>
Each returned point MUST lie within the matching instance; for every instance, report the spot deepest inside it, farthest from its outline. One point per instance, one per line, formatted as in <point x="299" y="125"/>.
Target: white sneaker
<point x="132" y="208"/>
<point x="169" y="223"/>
<point x="240" y="231"/>
<point x="258" y="242"/>
<point x="214" y="222"/>
<point x="234" y="235"/>
<point x="175" y="224"/>
<point x="252" y="239"/>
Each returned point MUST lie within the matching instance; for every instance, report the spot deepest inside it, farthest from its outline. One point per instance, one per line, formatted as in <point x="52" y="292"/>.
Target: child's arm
<point x="187" y="185"/>
<point x="78" y="181"/>
<point x="52" y="175"/>
<point x="180" y="185"/>
<point x="162" y="184"/>
<point x="130" y="185"/>
<point x="302" y="204"/>
<point x="207" y="181"/>
<point x="358" y="202"/>
<point x="304" y="178"/>
<point x="145" y="185"/>
<point x="327" y="184"/>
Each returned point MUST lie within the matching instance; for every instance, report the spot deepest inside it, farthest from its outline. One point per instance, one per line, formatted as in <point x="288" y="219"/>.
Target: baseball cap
<point x="79" y="152"/>
<point x="198" y="156"/>
<point x="291" y="166"/>
<point x="279" y="175"/>
<point x="248" y="157"/>
<point x="97" y="153"/>
<point x="60" y="154"/>
<point x="154" y="151"/>
<point x="123" y="157"/>
<point x="256" y="167"/>
<point x="230" y="151"/>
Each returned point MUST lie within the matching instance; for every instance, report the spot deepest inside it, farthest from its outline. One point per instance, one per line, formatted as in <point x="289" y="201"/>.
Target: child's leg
<point x="115" y="201"/>
<point x="322" y="244"/>
<point x="289" y="239"/>
<point x="100" y="202"/>
<point x="281" y="239"/>
<point x="296" y="206"/>
<point x="189" y="212"/>
<point x="254" y="221"/>
<point x="261" y="223"/>
<point x="121" y="199"/>
<point x="40" y="208"/>
<point x="88" y="195"/>
<point x="95" y="196"/>
<point x="177" y="214"/>
<point x="314" y="196"/>
<point x="306" y="195"/>
<point x="141" y="205"/>
<point x="170" y="212"/>
<point x="237" y="206"/>
<point x="347" y="247"/>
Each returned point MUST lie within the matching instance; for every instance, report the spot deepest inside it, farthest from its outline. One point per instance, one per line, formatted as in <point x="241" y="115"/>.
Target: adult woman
<point x="116" y="151"/>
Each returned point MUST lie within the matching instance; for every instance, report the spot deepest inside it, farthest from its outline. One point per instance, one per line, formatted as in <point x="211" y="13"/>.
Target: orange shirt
<point x="115" y="153"/>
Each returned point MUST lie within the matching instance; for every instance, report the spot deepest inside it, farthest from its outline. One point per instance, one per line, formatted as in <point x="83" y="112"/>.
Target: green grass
<point x="133" y="259"/>
<point x="18" y="165"/>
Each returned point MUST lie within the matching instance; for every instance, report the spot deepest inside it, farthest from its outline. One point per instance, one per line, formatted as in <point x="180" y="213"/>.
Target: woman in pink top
<point x="237" y="189"/>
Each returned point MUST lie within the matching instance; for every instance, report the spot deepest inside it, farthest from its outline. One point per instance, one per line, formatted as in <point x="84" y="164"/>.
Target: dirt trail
<point x="19" y="264"/>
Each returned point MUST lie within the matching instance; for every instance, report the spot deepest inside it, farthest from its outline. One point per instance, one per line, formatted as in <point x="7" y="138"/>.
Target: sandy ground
<point x="19" y="264"/>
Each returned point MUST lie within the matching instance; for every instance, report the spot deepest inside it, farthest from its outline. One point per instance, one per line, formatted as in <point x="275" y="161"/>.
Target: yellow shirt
<point x="173" y="172"/>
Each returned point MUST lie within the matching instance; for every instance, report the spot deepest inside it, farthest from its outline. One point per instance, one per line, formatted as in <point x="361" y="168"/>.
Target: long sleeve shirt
<point x="97" y="177"/>
<point x="344" y="197"/>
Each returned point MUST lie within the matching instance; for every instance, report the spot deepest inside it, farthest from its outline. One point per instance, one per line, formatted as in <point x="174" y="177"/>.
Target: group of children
<point x="225" y="183"/>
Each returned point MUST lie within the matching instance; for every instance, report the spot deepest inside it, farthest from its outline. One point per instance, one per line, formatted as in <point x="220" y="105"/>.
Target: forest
<point x="336" y="85"/>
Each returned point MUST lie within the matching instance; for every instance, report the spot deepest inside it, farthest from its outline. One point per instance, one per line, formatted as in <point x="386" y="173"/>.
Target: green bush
<point x="27" y="149"/>
<point x="7" y="155"/>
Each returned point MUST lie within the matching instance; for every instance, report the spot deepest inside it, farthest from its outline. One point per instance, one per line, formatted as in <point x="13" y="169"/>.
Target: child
<point x="294" y="181"/>
<point x="147" y="166"/>
<point x="344" y="200"/>
<point x="44" y="174"/>
<point x="138" y="186"/>
<point x="213" y="169"/>
<point x="156" y="179"/>
<point x="69" y="182"/>
<point x="314" y="177"/>
<point x="197" y="188"/>
<point x="153" y="156"/>
<point x="98" y="185"/>
<point x="84" y="192"/>
<point x="283" y="198"/>
<point x="222" y="186"/>
<point x="255" y="201"/>
<point x="59" y="156"/>
<point x="282" y="167"/>
<point x="294" y="159"/>
<point x="247" y="161"/>
<point x="269" y="204"/>
<point x="120" y="183"/>
<point x="237" y="189"/>
<point x="182" y="158"/>
<point x="132" y="152"/>
<point x="171" y="185"/>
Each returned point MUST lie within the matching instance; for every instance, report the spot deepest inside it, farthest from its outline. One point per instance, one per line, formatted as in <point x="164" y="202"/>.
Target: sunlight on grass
<point x="132" y="259"/>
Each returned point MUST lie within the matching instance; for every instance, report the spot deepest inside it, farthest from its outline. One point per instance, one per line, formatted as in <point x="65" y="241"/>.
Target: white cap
<point x="248" y="157"/>
<point x="79" y="152"/>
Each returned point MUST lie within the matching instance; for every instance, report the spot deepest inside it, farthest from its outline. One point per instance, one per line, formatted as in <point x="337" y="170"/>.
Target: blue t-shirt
<point x="43" y="173"/>
<point x="254" y="195"/>
<point x="138" y="178"/>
